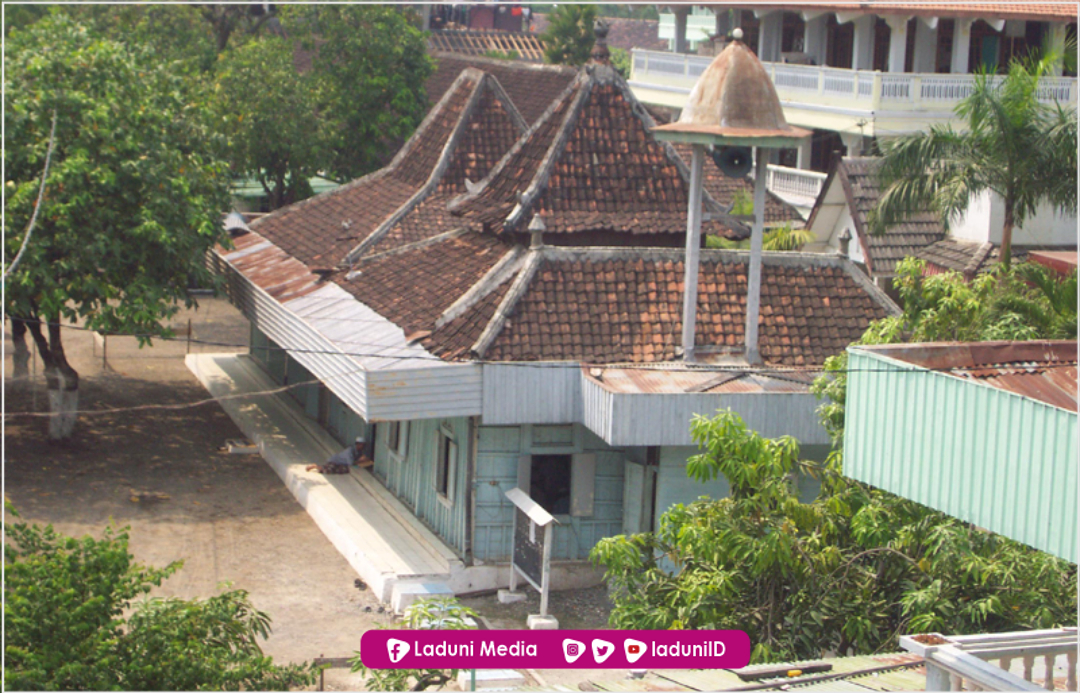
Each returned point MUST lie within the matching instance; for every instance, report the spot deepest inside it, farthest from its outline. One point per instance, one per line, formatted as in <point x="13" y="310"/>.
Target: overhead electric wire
<point x="665" y="366"/>
<point x="755" y="370"/>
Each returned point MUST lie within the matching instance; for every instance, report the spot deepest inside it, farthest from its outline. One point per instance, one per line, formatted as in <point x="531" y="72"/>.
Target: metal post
<point x="753" y="289"/>
<point x="513" y="534"/>
<point x="189" y="335"/>
<point x="549" y="537"/>
<point x="693" y="247"/>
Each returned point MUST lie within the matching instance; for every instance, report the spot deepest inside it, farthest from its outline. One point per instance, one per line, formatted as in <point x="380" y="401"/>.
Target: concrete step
<point x="381" y="545"/>
<point x="404" y="594"/>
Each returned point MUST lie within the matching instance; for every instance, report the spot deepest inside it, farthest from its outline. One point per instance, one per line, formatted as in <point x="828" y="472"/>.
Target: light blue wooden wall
<point x="673" y="486"/>
<point x="412" y="479"/>
<point x="342" y="423"/>
<point x="498" y="451"/>
<point x="307" y="396"/>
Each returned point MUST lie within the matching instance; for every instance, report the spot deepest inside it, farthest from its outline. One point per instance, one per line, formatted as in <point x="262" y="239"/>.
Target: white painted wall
<point x="986" y="214"/>
<point x="828" y="235"/>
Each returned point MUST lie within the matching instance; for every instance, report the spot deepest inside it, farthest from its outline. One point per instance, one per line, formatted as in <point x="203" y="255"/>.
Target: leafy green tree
<point x="569" y="37"/>
<point x="501" y="55"/>
<point x="169" y="33"/>
<point x="133" y="198"/>
<point x="1012" y="144"/>
<point x="851" y="570"/>
<point x="370" y="69"/>
<point x="21" y="16"/>
<point x="226" y="19"/>
<point x="846" y="573"/>
<point x="441" y="613"/>
<point x="777" y="239"/>
<point x="274" y="132"/>
<point x="66" y="628"/>
<point x="621" y="61"/>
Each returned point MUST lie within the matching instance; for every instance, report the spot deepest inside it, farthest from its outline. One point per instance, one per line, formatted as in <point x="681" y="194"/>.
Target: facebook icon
<point x="396" y="649"/>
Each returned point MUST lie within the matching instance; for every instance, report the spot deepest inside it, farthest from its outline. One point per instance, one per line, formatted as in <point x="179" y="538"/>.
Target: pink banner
<point x="555" y="649"/>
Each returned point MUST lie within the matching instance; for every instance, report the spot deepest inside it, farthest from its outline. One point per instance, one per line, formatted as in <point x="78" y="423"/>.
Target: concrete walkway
<point x="379" y="538"/>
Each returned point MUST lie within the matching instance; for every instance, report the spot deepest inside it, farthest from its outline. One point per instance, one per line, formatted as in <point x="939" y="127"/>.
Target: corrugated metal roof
<point x="369" y="339"/>
<point x="671" y="380"/>
<point x="1041" y="370"/>
<point x="887" y="672"/>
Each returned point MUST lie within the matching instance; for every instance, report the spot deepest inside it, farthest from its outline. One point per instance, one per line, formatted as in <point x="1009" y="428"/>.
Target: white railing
<point x="962" y="662"/>
<point x="867" y="88"/>
<point x="794" y="182"/>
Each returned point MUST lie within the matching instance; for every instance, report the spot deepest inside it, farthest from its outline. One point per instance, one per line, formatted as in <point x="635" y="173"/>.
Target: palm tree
<point x="1013" y="144"/>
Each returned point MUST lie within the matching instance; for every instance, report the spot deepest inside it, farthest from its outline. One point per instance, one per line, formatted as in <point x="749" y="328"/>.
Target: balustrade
<point x="869" y="89"/>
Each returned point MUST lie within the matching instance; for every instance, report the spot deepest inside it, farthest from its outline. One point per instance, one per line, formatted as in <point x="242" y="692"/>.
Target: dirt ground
<point x="228" y="517"/>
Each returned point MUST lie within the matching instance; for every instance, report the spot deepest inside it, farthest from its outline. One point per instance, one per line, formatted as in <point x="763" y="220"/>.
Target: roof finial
<point x="600" y="52"/>
<point x="537" y="228"/>
<point x="736" y="34"/>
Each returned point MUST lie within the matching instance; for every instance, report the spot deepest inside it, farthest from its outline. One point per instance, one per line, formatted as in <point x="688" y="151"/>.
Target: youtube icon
<point x="634" y="649"/>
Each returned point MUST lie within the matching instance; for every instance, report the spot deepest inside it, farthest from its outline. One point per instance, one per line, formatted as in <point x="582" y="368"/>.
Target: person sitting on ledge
<point x="340" y="462"/>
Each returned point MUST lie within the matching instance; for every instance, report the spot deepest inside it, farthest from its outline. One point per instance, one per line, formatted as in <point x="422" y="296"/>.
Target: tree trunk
<point x="1006" y="235"/>
<point x="20" y="356"/>
<point x="60" y="378"/>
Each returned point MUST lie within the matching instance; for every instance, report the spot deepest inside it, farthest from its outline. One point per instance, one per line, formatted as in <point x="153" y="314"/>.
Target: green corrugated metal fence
<point x="1002" y="461"/>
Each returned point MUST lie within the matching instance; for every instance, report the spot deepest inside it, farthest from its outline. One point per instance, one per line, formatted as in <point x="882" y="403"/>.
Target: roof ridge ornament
<point x="600" y="52"/>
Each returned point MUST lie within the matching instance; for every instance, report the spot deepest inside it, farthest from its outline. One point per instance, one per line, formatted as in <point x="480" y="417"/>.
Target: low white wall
<point x="985" y="218"/>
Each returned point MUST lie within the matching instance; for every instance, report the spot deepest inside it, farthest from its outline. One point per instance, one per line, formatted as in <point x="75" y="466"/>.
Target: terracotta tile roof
<point x="479" y="41"/>
<point x="412" y="287"/>
<point x="455" y="339"/>
<point x="858" y="176"/>
<point x="531" y="87"/>
<point x="724" y="189"/>
<point x="589" y="164"/>
<point x="319" y="231"/>
<point x="953" y="255"/>
<point x="1034" y="11"/>
<point x="322" y="231"/>
<point x="971" y="258"/>
<point x="625" y="306"/>
<point x="624" y="33"/>
<point x="490" y="130"/>
<point x="470" y="128"/>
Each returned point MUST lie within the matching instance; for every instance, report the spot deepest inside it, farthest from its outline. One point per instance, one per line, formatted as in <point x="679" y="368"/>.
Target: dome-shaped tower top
<point x="734" y="97"/>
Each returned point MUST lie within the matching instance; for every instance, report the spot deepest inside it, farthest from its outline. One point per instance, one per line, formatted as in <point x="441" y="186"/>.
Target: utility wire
<point x="37" y="206"/>
<point x="661" y="367"/>
<point x="182" y="405"/>
<point x="291" y="386"/>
